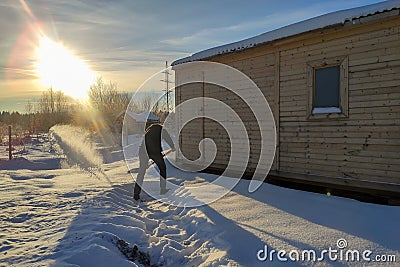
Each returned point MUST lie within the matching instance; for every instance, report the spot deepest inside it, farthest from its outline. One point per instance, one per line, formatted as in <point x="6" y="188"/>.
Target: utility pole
<point x="167" y="82"/>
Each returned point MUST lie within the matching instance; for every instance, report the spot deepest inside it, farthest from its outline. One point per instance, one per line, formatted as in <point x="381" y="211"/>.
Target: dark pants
<point x="144" y="161"/>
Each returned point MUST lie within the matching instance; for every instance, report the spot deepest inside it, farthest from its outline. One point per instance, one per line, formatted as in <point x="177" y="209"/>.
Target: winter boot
<point x="163" y="191"/>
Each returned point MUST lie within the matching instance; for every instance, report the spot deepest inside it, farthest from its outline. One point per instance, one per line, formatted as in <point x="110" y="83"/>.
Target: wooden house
<point x="333" y="84"/>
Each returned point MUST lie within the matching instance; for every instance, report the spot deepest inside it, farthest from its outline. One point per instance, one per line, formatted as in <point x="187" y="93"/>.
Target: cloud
<point x="204" y="38"/>
<point x="210" y="37"/>
<point x="122" y="39"/>
<point x="18" y="73"/>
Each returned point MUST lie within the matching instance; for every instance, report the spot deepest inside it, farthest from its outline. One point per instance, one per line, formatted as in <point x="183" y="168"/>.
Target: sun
<point x="59" y="68"/>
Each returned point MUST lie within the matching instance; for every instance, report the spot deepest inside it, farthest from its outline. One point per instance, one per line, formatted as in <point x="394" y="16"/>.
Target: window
<point x="327" y="84"/>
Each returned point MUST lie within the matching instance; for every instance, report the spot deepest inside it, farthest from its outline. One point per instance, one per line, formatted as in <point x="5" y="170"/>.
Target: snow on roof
<point x="338" y="17"/>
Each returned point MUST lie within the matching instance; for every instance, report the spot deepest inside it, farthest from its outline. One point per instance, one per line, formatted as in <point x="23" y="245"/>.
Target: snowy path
<point x="69" y="217"/>
<point x="36" y="209"/>
<point x="172" y="236"/>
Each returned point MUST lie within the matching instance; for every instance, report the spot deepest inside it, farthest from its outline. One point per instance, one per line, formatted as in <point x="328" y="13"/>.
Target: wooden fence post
<point x="9" y="143"/>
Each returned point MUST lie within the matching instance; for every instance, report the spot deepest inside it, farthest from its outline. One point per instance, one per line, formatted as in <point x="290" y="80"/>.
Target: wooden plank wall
<point x="260" y="66"/>
<point x="191" y="133"/>
<point x="366" y="145"/>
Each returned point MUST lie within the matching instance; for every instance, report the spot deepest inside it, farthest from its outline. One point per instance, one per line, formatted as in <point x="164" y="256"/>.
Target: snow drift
<point x="65" y="217"/>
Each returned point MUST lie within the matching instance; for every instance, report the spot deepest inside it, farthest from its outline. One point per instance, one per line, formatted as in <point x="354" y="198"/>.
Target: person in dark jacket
<point x="151" y="148"/>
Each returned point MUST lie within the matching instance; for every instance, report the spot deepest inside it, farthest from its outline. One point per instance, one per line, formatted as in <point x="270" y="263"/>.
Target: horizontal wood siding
<point x="260" y="65"/>
<point x="261" y="69"/>
<point x="192" y="131"/>
<point x="364" y="146"/>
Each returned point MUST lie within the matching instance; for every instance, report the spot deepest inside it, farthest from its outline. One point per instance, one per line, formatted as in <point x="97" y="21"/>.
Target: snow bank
<point x="38" y="154"/>
<point x="122" y="232"/>
<point x="23" y="163"/>
<point x="62" y="217"/>
<point x="77" y="145"/>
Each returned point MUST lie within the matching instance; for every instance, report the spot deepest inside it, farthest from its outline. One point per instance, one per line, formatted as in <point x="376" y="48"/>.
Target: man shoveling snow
<point x="151" y="149"/>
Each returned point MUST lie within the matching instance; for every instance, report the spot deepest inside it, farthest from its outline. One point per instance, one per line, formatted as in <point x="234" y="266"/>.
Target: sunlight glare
<point x="58" y="68"/>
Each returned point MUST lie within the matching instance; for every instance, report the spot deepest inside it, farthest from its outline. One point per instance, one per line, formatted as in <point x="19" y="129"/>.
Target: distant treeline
<point x="105" y="102"/>
<point x="52" y="108"/>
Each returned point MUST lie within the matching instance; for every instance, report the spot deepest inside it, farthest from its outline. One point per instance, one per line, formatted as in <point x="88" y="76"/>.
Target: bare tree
<point x="107" y="101"/>
<point x="53" y="108"/>
<point x="29" y="108"/>
<point x="104" y="96"/>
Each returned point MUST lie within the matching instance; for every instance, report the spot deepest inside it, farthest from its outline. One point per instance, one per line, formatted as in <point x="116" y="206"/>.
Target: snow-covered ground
<point x="67" y="201"/>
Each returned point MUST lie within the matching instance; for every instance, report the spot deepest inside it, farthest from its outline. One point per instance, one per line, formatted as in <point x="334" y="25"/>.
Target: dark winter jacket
<point x="153" y="137"/>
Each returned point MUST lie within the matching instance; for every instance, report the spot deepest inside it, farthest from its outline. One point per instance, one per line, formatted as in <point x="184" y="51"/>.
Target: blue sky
<point x="126" y="41"/>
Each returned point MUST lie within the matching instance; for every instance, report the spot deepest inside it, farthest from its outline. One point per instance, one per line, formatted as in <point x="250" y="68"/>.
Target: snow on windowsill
<point x="326" y="110"/>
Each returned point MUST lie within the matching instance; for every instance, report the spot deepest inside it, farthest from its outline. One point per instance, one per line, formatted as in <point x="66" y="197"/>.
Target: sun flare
<point x="60" y="69"/>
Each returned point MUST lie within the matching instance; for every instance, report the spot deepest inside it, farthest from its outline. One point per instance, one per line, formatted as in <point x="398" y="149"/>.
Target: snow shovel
<point x="136" y="170"/>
